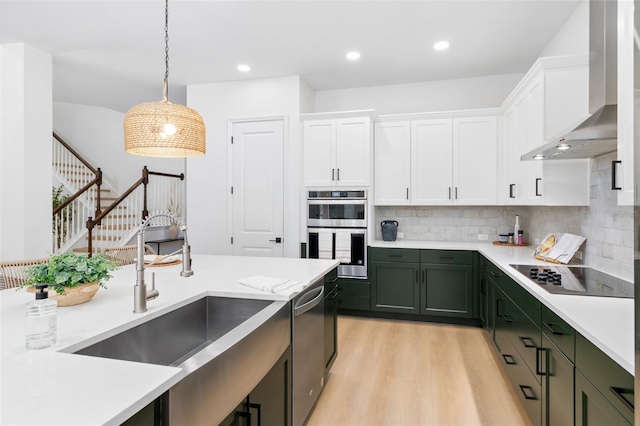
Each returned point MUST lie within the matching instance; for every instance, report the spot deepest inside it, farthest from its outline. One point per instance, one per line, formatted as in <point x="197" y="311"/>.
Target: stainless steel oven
<point x="337" y="229"/>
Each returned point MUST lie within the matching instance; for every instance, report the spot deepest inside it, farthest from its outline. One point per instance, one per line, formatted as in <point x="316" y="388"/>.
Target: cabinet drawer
<point x="353" y="287"/>
<point x="593" y="409"/>
<point x="559" y="332"/>
<point x="361" y="303"/>
<point x="456" y="257"/>
<point x="613" y="381"/>
<point x="525" y="384"/>
<point x="394" y="255"/>
<point x="522" y="298"/>
<point x="331" y="276"/>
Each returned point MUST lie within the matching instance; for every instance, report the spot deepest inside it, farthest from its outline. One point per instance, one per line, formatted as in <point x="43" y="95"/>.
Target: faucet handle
<point x="153" y="293"/>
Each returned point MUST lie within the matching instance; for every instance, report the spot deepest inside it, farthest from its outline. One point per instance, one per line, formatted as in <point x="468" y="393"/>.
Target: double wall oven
<point x="337" y="229"/>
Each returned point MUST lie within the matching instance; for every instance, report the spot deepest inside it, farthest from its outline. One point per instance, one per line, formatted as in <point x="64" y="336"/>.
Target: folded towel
<point x="343" y="246"/>
<point x="325" y="244"/>
<point x="279" y="286"/>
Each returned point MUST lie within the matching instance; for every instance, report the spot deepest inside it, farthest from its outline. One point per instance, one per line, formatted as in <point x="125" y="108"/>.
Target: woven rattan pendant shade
<point x="146" y="132"/>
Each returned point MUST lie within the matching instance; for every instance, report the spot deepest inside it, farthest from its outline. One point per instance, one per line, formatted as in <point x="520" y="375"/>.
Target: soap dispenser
<point x="516" y="230"/>
<point x="41" y="320"/>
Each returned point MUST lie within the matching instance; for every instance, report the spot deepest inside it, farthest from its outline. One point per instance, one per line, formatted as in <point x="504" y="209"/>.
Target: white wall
<point x="573" y="37"/>
<point x="25" y="148"/>
<point x="97" y="134"/>
<point x="445" y="95"/>
<point x="208" y="176"/>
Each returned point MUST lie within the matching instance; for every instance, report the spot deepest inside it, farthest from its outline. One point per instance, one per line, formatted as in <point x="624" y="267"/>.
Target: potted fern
<point x="75" y="277"/>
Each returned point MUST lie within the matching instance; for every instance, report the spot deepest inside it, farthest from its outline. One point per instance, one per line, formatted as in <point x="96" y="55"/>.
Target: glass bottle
<point x="41" y="320"/>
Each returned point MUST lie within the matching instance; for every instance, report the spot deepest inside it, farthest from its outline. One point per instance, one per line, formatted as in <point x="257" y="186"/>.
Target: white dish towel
<point x="280" y="286"/>
<point x="325" y="244"/>
<point x="343" y="246"/>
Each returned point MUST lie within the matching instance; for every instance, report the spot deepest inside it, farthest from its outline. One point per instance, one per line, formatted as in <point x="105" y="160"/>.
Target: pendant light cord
<point x="165" y="88"/>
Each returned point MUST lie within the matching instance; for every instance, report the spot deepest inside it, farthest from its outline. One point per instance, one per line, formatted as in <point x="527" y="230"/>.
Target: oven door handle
<point x="350" y="202"/>
<point x="299" y="310"/>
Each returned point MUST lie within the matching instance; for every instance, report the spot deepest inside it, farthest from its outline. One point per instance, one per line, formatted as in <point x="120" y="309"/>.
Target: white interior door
<point x="257" y="181"/>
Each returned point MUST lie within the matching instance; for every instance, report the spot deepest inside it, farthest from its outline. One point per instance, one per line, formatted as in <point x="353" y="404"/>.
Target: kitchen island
<point x="53" y="386"/>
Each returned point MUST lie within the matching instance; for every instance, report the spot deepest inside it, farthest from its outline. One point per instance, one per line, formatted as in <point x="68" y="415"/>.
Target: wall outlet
<point x="483" y="237"/>
<point x="400" y="235"/>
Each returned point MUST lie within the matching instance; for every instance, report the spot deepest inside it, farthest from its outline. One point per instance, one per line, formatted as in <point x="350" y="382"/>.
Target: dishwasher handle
<point x="299" y="310"/>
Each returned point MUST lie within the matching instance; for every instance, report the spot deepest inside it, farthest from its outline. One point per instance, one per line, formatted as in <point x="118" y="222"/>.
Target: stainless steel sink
<point x="224" y="346"/>
<point x="177" y="335"/>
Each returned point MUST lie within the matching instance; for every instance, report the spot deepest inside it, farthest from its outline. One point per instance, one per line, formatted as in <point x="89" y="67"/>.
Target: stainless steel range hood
<point x="598" y="134"/>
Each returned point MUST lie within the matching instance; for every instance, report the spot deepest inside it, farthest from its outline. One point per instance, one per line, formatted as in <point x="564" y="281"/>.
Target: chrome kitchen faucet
<point x="140" y="293"/>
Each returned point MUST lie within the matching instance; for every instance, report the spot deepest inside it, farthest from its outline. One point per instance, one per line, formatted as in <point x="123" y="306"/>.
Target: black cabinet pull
<point x="498" y="306"/>
<point x="614" y="176"/>
<point x="333" y="174"/>
<point x="540" y="359"/>
<point x="483" y="264"/>
<point x="511" y="188"/>
<point x="456" y="192"/>
<point x="424" y="276"/>
<point x="257" y="408"/>
<point x="332" y="280"/>
<point x="553" y="329"/>
<point x="395" y="256"/>
<point x="449" y="192"/>
<point x="527" y="342"/>
<point x="507" y="318"/>
<point x="446" y="257"/>
<point x="407" y="193"/>
<point x="538" y="194"/>
<point x="338" y="174"/>
<point x="417" y="277"/>
<point x="620" y="392"/>
<point x="494" y="274"/>
<point x="483" y="286"/>
<point x="509" y="359"/>
<point x="527" y="391"/>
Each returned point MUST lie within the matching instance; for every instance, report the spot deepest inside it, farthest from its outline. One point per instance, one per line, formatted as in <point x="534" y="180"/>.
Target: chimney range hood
<point x="598" y="134"/>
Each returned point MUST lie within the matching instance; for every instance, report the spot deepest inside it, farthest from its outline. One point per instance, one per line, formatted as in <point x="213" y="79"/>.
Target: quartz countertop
<point x="607" y="322"/>
<point x="55" y="387"/>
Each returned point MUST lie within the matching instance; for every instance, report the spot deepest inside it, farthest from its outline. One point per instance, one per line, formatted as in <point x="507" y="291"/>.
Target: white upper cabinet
<point x="551" y="100"/>
<point x="392" y="163"/>
<point x="628" y="105"/>
<point x="475" y="155"/>
<point x="438" y="161"/>
<point x="431" y="162"/>
<point x="337" y="152"/>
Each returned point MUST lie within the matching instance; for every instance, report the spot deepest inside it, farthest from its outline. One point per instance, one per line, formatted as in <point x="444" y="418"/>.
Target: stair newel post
<point x="98" y="183"/>
<point x="145" y="181"/>
<point x="90" y="225"/>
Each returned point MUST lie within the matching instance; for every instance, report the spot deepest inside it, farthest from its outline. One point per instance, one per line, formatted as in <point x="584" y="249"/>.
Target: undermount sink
<point x="174" y="337"/>
<point x="224" y="346"/>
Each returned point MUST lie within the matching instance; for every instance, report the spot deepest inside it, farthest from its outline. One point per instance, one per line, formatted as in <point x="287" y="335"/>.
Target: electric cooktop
<point x="576" y="280"/>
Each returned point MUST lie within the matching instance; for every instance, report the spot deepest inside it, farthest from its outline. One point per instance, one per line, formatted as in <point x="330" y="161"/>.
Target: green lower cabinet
<point x="269" y="403"/>
<point x="483" y="273"/>
<point x="446" y="290"/>
<point x="557" y="385"/>
<point x="592" y="408"/>
<point x="354" y="294"/>
<point x="395" y="287"/>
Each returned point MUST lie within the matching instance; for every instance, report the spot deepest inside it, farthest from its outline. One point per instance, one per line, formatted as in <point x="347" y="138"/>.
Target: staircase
<point x="100" y="216"/>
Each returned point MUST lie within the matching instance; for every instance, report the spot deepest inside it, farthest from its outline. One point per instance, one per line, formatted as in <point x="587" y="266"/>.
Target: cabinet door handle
<point x="449" y="192"/>
<point x="257" y="408"/>
<point x="338" y="174"/>
<point x="333" y="174"/>
<point x="407" y="193"/>
<point x="395" y="256"/>
<point x="498" y="306"/>
<point x="614" y="176"/>
<point x="511" y="190"/>
<point x="527" y="342"/>
<point x="507" y="318"/>
<point x="620" y="392"/>
<point x="553" y="329"/>
<point x="417" y="277"/>
<point x="527" y="391"/>
<point x="538" y="194"/>
<point x="494" y="274"/>
<point x="540" y="359"/>
<point x="483" y="286"/>
<point x="332" y="280"/>
<point x="509" y="359"/>
<point x="456" y="191"/>
<point x="446" y="257"/>
<point x="424" y="276"/>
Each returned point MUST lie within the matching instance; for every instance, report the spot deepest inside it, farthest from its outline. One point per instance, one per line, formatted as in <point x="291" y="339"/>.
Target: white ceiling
<point x="111" y="53"/>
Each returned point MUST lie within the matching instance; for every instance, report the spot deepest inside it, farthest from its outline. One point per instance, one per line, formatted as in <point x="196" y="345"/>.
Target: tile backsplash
<point x="607" y="226"/>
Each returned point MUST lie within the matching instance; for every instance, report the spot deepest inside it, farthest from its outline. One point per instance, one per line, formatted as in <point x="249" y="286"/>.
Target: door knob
<point x="278" y="240"/>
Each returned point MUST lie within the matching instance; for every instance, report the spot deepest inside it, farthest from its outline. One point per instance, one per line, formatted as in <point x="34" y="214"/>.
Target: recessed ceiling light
<point x="563" y="146"/>
<point x="244" y="68"/>
<point x="441" y="45"/>
<point x="538" y="157"/>
<point x="352" y="56"/>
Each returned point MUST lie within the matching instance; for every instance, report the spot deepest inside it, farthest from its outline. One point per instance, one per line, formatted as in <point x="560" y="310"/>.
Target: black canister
<point x="389" y="230"/>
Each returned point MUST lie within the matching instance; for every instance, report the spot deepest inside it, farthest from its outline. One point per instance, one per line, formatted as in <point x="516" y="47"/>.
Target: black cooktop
<point x="576" y="280"/>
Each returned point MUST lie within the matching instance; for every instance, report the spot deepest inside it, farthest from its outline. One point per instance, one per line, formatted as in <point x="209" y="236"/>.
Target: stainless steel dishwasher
<point x="308" y="349"/>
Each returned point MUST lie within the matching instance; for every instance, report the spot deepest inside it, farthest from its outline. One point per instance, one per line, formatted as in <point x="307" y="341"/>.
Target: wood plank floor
<point x="411" y="373"/>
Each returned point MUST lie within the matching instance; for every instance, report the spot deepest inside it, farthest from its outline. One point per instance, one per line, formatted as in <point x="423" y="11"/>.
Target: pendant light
<point x="163" y="129"/>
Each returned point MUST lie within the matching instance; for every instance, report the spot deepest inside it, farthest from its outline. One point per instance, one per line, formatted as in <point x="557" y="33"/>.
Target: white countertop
<point x="51" y="387"/>
<point x="607" y="322"/>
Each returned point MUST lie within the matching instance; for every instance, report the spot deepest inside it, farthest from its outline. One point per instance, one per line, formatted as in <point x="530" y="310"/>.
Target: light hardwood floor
<point x="411" y="373"/>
